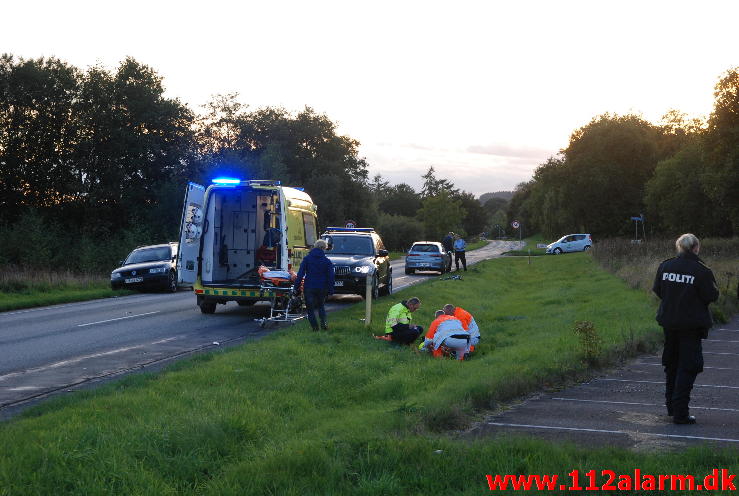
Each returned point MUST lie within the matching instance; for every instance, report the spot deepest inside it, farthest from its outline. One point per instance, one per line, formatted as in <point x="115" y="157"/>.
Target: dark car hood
<point x="142" y="266"/>
<point x="349" y="259"/>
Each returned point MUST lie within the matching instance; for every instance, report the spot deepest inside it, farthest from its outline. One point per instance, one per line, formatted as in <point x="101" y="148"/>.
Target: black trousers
<point x="682" y="358"/>
<point x="459" y="255"/>
<point x="405" y="334"/>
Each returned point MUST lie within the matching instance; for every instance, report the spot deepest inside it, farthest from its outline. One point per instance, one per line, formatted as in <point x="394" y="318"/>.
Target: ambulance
<point x="232" y="228"/>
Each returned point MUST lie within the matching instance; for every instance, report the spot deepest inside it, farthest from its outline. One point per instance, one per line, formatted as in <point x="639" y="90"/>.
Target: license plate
<point x="424" y="264"/>
<point x="134" y="279"/>
<point x="338" y="283"/>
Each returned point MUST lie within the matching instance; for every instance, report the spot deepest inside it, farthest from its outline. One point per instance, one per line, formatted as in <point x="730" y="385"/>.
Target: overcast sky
<point x="484" y="91"/>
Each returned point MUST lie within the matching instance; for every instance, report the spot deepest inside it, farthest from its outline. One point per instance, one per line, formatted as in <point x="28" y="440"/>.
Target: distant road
<point x="58" y="348"/>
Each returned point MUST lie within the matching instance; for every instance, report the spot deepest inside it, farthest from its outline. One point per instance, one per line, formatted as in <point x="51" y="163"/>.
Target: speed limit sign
<point x="515" y="224"/>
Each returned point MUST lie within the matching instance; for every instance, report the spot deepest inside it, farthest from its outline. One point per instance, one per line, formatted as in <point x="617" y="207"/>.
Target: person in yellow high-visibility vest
<point x="398" y="326"/>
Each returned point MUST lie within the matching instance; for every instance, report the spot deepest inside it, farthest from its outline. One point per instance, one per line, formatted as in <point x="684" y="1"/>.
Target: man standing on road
<point x="318" y="271"/>
<point x="448" y="242"/>
<point x="398" y="326"/>
<point x="686" y="287"/>
<point x="459" y="253"/>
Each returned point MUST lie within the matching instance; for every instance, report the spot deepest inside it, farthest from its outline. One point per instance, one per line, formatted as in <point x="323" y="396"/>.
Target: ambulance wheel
<point x="206" y="306"/>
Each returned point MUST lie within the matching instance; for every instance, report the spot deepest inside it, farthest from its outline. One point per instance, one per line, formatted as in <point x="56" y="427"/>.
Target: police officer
<point x="686" y="287"/>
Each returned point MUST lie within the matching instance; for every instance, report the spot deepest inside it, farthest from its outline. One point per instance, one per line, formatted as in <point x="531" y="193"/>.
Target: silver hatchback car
<point x="427" y="255"/>
<point x="570" y="243"/>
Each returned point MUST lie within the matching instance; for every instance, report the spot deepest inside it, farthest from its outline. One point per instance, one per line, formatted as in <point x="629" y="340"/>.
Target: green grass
<point x="300" y="412"/>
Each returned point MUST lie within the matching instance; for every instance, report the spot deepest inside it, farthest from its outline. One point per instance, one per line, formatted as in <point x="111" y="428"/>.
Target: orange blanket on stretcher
<point x="280" y="278"/>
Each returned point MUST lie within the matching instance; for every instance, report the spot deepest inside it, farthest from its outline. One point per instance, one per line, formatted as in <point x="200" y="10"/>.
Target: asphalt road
<point x="57" y="349"/>
<point x="626" y="407"/>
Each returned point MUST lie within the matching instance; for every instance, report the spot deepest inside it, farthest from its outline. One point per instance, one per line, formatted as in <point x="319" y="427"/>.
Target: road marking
<point x="604" y="431"/>
<point x="643" y="404"/>
<point x="662" y="382"/>
<point x="115" y="299"/>
<point x="660" y="365"/>
<point x="719" y="341"/>
<point x="24" y="388"/>
<point x="732" y="330"/>
<point x="119" y="318"/>
<point x="719" y="353"/>
<point x="85" y="357"/>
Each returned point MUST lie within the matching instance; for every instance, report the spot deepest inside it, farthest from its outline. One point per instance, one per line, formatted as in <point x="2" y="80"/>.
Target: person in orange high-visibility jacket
<point x="446" y="332"/>
<point x="468" y="322"/>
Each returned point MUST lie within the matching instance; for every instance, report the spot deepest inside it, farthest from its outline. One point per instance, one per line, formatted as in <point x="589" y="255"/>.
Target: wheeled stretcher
<point x="285" y="305"/>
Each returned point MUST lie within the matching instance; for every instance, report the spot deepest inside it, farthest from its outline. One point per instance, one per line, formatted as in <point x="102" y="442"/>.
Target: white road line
<point x="732" y="330"/>
<point x="85" y="357"/>
<point x="114" y="299"/>
<point x="662" y="382"/>
<point x="660" y="365"/>
<point x="604" y="431"/>
<point x="119" y="318"/>
<point x="644" y="404"/>
<point x="719" y="353"/>
<point x="719" y="341"/>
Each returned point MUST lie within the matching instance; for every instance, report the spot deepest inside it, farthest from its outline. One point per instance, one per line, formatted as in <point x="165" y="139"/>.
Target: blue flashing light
<point x="226" y="180"/>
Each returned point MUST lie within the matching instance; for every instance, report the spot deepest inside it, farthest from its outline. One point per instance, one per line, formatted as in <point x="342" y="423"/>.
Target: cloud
<point x="502" y="150"/>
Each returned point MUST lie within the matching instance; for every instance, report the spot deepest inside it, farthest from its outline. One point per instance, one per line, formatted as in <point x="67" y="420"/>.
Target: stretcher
<point x="285" y="306"/>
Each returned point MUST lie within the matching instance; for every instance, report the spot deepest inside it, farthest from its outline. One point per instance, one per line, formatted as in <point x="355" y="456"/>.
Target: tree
<point x="401" y="199"/>
<point x="440" y="214"/>
<point x="475" y="218"/>
<point x="432" y="185"/>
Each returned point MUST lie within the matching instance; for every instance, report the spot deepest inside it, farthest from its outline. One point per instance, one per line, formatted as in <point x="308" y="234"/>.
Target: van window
<point x="309" y="224"/>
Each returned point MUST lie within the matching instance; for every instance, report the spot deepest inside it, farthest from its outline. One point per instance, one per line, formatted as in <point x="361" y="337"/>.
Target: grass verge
<point x="25" y="288"/>
<point x="300" y="412"/>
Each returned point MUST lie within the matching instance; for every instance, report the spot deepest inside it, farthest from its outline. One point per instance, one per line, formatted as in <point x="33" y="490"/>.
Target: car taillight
<point x="436" y="255"/>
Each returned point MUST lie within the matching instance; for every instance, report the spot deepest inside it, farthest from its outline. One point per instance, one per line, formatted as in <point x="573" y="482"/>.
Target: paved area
<point x="626" y="407"/>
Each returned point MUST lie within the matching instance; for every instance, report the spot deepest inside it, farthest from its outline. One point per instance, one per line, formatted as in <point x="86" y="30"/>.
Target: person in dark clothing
<point x="686" y="287"/>
<point x="448" y="242"/>
<point x="318" y="272"/>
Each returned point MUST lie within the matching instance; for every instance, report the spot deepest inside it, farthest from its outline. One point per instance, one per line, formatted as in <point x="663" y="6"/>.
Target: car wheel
<point x="409" y="272"/>
<point x="587" y="247"/>
<point x="375" y="288"/>
<point x="557" y="251"/>
<point x="172" y="284"/>
<point x="206" y="306"/>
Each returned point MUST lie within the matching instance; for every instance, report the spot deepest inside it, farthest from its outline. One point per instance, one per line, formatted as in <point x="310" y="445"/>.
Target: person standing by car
<point x="686" y="287"/>
<point x="448" y="242"/>
<point x="459" y="252"/>
<point x="318" y="272"/>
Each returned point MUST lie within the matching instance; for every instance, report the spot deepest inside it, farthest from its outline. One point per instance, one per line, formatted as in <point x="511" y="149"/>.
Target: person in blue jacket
<point x="318" y="272"/>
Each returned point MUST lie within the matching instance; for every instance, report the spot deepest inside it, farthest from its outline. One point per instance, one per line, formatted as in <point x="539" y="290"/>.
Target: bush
<point x="398" y="232"/>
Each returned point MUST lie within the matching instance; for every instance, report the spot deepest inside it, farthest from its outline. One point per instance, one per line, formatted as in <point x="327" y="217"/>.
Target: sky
<point x="483" y="91"/>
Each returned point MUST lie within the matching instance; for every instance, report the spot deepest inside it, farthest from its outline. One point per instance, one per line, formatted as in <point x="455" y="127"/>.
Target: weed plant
<point x="328" y="413"/>
<point x="637" y="265"/>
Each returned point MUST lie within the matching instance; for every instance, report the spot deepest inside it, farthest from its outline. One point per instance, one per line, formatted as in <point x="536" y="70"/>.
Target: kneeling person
<point x="447" y="333"/>
<point x="468" y="322"/>
<point x="398" y="323"/>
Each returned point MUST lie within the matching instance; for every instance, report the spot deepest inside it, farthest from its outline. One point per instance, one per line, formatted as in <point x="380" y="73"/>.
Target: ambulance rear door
<point x="191" y="232"/>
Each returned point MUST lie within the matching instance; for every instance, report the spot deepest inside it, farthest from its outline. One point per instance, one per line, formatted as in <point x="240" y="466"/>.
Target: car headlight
<point x="115" y="275"/>
<point x="157" y="270"/>
<point x="363" y="269"/>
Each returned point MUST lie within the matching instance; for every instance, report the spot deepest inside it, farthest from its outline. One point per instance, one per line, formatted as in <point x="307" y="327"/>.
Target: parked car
<point x="148" y="267"/>
<point x="356" y="254"/>
<point x="428" y="255"/>
<point x="569" y="243"/>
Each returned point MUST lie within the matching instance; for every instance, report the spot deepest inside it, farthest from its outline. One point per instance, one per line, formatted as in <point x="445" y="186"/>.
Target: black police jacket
<point x="686" y="287"/>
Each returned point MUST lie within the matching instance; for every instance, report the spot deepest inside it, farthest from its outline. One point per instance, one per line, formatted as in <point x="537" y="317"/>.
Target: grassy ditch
<point x="300" y="412"/>
<point x="637" y="265"/>
<point x="24" y="288"/>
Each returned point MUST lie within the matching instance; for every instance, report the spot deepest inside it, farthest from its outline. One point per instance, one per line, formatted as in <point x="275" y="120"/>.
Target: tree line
<point x="681" y="175"/>
<point x="94" y="162"/>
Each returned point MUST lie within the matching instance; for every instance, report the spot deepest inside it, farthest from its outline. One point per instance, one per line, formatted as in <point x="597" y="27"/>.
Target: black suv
<point x="356" y="254"/>
<point x="148" y="267"/>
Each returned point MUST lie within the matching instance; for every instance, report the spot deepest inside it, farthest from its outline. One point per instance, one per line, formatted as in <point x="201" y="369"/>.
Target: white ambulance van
<point x="233" y="227"/>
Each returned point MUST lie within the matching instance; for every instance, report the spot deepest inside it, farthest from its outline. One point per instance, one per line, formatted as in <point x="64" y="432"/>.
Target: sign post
<point x="517" y="225"/>
<point x="636" y="220"/>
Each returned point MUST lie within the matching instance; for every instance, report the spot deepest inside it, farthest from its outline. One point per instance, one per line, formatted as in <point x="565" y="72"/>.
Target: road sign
<point x="350" y="224"/>
<point x="515" y="224"/>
